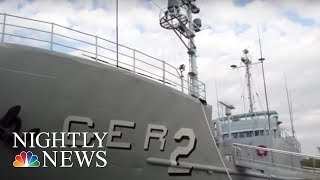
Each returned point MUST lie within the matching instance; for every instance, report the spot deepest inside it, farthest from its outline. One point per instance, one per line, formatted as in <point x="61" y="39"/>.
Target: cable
<point x="242" y="93"/>
<point x="255" y="89"/>
<point x="214" y="142"/>
<point x="156" y="4"/>
<point x="259" y="102"/>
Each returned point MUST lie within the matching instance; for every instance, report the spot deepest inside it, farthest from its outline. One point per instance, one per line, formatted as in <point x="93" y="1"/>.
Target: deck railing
<point x="275" y="158"/>
<point x="55" y="37"/>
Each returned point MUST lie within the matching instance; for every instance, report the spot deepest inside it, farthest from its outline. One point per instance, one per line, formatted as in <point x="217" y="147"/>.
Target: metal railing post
<point x="3" y="27"/>
<point x="51" y="39"/>
<point x="189" y="91"/>
<point x="291" y="161"/>
<point x="182" y="85"/>
<point x="205" y="91"/>
<point x="314" y="165"/>
<point x="96" y="48"/>
<point x="253" y="154"/>
<point x="235" y="157"/>
<point x="134" y="61"/>
<point x="164" y="72"/>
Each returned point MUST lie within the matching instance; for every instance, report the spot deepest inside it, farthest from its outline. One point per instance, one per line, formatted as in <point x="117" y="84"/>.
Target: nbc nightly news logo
<point x="26" y="160"/>
<point x="60" y="149"/>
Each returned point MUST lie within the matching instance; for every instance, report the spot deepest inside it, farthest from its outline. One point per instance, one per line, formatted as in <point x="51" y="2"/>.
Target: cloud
<point x="290" y="41"/>
<point x="298" y="19"/>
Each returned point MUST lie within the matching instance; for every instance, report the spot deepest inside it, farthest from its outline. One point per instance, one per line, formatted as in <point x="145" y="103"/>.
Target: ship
<point x="156" y="120"/>
<point x="257" y="137"/>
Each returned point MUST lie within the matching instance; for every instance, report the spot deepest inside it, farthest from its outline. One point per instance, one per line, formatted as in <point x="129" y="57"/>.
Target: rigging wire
<point x="259" y="99"/>
<point x="244" y="96"/>
<point x="156" y="4"/>
<point x="256" y="92"/>
<point x="260" y="103"/>
<point x="242" y="92"/>
<point x="214" y="142"/>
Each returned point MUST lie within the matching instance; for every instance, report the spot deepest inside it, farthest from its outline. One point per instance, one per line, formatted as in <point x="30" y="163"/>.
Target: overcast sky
<point x="290" y="33"/>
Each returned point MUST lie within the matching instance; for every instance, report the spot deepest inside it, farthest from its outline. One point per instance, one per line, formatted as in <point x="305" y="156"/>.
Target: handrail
<point x="289" y="159"/>
<point x="277" y="150"/>
<point x="35" y="39"/>
<point x="138" y="62"/>
<point x="74" y="30"/>
<point x="27" y="28"/>
<point x="73" y="39"/>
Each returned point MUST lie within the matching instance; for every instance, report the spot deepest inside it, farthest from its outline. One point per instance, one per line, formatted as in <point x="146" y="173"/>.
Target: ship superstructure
<point x="252" y="129"/>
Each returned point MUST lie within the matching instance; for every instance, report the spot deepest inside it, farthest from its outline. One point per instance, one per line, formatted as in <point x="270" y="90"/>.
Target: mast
<point x="247" y="63"/>
<point x="264" y="81"/>
<point x="192" y="55"/>
<point x="178" y="17"/>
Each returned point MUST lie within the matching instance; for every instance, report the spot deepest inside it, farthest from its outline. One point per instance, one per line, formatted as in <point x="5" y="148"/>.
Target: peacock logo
<point x="26" y="160"/>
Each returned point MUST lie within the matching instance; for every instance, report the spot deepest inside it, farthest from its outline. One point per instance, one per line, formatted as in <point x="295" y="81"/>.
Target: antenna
<point x="178" y="17"/>
<point x="289" y="106"/>
<point x="217" y="97"/>
<point x="264" y="80"/>
<point x="259" y="42"/>
<point x="290" y="95"/>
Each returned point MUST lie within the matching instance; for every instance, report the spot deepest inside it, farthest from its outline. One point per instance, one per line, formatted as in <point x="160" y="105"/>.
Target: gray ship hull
<point x="50" y="87"/>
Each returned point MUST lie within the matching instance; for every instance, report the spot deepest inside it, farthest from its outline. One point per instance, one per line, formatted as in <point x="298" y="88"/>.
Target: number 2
<point x="184" y="151"/>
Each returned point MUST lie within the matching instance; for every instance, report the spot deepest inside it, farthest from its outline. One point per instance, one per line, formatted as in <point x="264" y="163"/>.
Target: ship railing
<point x="247" y="154"/>
<point x="58" y="38"/>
